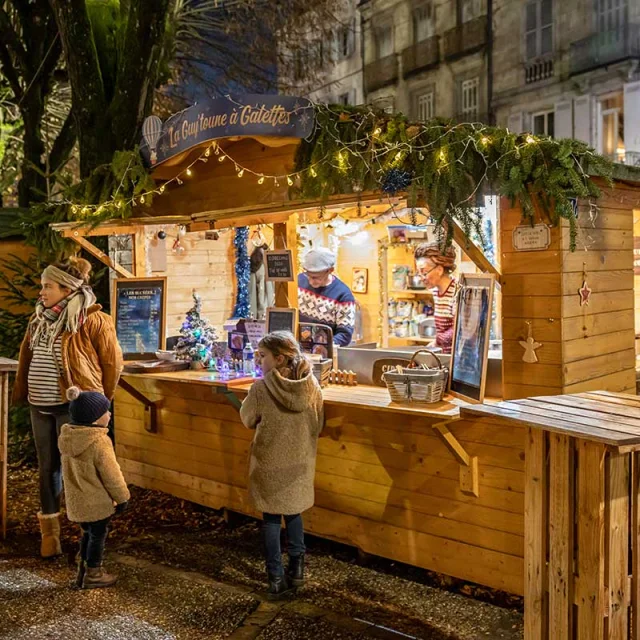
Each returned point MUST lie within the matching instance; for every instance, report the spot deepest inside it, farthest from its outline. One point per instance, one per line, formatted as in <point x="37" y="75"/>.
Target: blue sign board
<point x="250" y="115"/>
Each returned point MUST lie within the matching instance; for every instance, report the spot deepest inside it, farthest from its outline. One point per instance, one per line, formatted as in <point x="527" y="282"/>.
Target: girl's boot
<point x="279" y="587"/>
<point x="98" y="578"/>
<point x="82" y="569"/>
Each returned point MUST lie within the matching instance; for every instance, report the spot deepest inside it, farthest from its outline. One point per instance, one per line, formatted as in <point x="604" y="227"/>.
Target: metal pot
<point x="427" y="328"/>
<point x="416" y="282"/>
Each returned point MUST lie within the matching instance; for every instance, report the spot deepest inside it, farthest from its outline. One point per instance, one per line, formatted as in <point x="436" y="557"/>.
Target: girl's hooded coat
<point x="288" y="417"/>
<point x="92" y="478"/>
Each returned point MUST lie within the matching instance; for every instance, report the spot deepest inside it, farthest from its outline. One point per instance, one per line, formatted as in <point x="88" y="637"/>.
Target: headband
<point x="62" y="278"/>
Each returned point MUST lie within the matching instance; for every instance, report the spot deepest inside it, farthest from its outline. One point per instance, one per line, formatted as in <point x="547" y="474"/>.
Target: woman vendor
<point x="435" y="265"/>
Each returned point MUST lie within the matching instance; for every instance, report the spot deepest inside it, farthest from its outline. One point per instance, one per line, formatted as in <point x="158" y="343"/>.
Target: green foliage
<point x="108" y="193"/>
<point x="452" y="165"/>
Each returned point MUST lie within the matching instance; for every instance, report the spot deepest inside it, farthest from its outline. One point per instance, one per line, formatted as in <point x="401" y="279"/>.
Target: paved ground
<point x="186" y="574"/>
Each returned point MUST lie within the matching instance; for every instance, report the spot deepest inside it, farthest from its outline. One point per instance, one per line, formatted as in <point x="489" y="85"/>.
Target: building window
<point x="612" y="15"/>
<point x="345" y="40"/>
<point x="424" y="108"/>
<point x="539" y="28"/>
<point x="344" y="98"/>
<point x="611" y="129"/>
<point x="543" y="123"/>
<point x="470" y="98"/>
<point x="423" y="22"/>
<point x="384" y="41"/>
<point x="472" y="9"/>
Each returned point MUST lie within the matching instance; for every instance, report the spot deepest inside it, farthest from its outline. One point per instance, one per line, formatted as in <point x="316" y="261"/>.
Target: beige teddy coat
<point x="288" y="417"/>
<point x="92" y="478"/>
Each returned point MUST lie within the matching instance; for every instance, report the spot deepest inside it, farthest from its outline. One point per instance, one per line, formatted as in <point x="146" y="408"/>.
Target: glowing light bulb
<point x="162" y="187"/>
<point x="398" y="155"/>
<point x="261" y="180"/>
<point x="222" y="158"/>
<point x="275" y="182"/>
<point x="485" y="140"/>
<point x="240" y="173"/>
<point x="74" y="209"/>
<point x="289" y="181"/>
<point x="377" y="132"/>
<point x="179" y="181"/>
<point x="530" y="139"/>
<point x="313" y="172"/>
<point x="189" y="172"/>
<point x="118" y="204"/>
<point x="142" y="199"/>
<point x="207" y="152"/>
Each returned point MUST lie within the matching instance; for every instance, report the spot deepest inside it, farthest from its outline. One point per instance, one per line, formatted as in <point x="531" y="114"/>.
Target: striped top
<point x="444" y="315"/>
<point x="44" y="377"/>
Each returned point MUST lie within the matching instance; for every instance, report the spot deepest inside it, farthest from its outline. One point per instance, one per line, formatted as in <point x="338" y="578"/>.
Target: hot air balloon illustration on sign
<point x="151" y="130"/>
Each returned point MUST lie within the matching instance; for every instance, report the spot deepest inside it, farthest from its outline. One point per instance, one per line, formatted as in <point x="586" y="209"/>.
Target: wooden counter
<point x="582" y="515"/>
<point x="385" y="482"/>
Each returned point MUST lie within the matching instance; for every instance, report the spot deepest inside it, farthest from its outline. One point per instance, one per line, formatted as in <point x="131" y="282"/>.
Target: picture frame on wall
<point x="471" y="336"/>
<point x="360" y="280"/>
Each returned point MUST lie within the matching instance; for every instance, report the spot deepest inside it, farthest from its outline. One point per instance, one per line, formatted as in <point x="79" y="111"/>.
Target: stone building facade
<point x="566" y="68"/>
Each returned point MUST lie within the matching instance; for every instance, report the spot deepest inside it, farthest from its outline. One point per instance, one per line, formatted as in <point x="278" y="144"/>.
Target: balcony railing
<point x="604" y="48"/>
<point x="381" y="73"/>
<point x="466" y="38"/>
<point x="537" y="70"/>
<point x="630" y="158"/>
<point x="421" y="56"/>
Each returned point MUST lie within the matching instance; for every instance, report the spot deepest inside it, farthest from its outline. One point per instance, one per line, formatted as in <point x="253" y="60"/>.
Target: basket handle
<point x="412" y="363"/>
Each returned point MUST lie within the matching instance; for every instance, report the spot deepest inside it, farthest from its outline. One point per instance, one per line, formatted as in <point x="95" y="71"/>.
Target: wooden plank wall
<point x="583" y="347"/>
<point x="387" y="486"/>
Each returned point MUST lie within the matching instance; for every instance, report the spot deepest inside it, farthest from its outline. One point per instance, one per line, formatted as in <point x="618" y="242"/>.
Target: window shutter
<point x="582" y="118"/>
<point x="514" y="124"/>
<point x="563" y="120"/>
<point x="632" y="117"/>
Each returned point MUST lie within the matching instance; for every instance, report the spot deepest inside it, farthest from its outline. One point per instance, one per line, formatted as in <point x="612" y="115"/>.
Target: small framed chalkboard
<point x="468" y="367"/>
<point x="139" y="307"/>
<point x="282" y="319"/>
<point x="279" y="266"/>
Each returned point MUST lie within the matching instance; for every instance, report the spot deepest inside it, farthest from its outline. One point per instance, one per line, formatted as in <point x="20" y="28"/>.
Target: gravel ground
<point x="160" y="530"/>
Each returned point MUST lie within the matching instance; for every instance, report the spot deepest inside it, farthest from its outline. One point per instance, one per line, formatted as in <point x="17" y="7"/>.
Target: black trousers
<point x="94" y="537"/>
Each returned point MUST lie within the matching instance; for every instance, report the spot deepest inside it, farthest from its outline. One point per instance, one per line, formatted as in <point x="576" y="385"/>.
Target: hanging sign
<point x="139" y="307"/>
<point x="279" y="266"/>
<point x="282" y="319"/>
<point x="249" y="115"/>
<point x="528" y="238"/>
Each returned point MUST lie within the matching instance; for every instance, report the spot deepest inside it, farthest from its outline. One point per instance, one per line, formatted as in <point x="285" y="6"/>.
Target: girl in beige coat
<point x="285" y="408"/>
<point x="94" y="487"/>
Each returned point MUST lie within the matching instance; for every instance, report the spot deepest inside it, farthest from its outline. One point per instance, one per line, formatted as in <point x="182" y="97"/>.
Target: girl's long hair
<point x="282" y="343"/>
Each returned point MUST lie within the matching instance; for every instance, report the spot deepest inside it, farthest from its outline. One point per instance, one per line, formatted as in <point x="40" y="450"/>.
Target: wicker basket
<point x="416" y="384"/>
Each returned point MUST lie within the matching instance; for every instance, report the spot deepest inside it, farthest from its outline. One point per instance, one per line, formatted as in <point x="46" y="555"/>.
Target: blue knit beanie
<point x="85" y="407"/>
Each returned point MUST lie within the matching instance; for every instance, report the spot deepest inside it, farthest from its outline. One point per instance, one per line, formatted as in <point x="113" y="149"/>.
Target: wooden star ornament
<point x="585" y="294"/>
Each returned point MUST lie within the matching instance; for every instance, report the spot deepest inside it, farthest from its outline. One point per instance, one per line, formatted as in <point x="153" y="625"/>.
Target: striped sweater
<point x="44" y="374"/>
<point x="444" y="314"/>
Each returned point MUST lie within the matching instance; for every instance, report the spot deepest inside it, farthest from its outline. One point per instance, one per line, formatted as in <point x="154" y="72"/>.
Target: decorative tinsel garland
<point x="242" y="308"/>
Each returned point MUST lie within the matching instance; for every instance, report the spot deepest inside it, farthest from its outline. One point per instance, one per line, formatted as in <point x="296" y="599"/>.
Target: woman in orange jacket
<point x="69" y="342"/>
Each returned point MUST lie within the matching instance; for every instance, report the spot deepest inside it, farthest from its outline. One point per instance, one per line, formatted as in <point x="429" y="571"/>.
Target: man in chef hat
<point x="323" y="298"/>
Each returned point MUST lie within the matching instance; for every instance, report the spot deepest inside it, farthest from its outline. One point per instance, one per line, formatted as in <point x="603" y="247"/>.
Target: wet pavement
<point x="189" y="575"/>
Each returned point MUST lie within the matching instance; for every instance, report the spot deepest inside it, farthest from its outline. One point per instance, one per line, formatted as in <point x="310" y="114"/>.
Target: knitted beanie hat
<point x="86" y="406"/>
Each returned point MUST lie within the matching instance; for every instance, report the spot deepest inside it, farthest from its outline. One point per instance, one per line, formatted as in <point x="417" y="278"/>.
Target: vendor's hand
<point x="122" y="507"/>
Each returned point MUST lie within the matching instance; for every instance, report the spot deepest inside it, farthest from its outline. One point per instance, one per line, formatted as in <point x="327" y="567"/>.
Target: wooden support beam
<point x="103" y="257"/>
<point x="150" y="408"/>
<point x="469" y="478"/>
<point x="473" y="251"/>
<point x="285" y="236"/>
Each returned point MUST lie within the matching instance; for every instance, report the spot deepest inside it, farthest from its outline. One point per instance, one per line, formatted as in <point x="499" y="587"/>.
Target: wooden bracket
<point x="231" y="397"/>
<point x="103" y="257"/>
<point x="469" y="482"/>
<point x="150" y="407"/>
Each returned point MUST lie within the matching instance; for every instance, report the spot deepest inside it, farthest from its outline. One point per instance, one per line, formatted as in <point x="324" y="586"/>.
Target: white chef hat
<point x="319" y="259"/>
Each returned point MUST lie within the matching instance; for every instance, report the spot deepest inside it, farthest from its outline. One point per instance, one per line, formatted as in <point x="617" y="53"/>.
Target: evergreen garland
<point x="243" y="273"/>
<point x="451" y="165"/>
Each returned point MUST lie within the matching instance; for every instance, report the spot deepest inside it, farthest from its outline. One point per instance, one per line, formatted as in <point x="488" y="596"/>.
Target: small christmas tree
<point x="198" y="336"/>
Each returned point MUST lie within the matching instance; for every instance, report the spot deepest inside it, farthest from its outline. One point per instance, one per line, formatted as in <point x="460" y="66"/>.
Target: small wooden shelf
<point x="411" y="292"/>
<point x="395" y="341"/>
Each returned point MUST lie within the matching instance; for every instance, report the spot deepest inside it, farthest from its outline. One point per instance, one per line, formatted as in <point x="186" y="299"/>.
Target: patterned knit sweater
<point x="333" y="305"/>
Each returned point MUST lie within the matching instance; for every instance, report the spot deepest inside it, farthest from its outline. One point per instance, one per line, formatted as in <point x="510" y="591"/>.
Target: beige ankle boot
<point x="98" y="578"/>
<point x="50" y="530"/>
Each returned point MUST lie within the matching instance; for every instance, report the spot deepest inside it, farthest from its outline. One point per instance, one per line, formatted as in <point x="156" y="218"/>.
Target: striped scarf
<point x="68" y="315"/>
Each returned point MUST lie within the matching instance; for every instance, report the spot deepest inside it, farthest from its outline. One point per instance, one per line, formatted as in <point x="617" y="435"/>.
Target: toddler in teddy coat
<point x="94" y="487"/>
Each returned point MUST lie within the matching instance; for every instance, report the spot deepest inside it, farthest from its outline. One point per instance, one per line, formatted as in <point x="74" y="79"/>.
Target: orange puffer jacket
<point x="91" y="358"/>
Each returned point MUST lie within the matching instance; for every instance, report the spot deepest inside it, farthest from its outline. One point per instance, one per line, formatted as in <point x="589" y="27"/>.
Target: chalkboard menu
<point x="282" y="319"/>
<point x="468" y="367"/>
<point x="140" y="312"/>
<point x="279" y="265"/>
